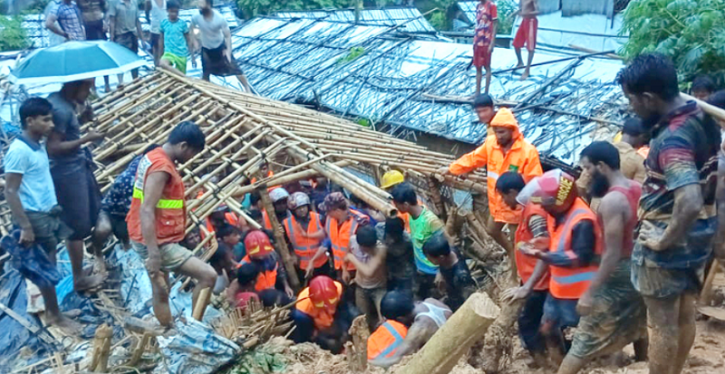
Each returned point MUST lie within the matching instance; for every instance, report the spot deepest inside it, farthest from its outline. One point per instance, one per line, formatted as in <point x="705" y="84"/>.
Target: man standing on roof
<point x="526" y="34"/>
<point x="94" y="12"/>
<point x="125" y="28"/>
<point x="506" y="150"/>
<point x="68" y="17"/>
<point x="155" y="13"/>
<point x="157" y="219"/>
<point x="573" y="254"/>
<point x="534" y="273"/>
<point x="612" y="312"/>
<point x="422" y="319"/>
<point x="484" y="40"/>
<point x="304" y="231"/>
<point x="677" y="209"/>
<point x="216" y="45"/>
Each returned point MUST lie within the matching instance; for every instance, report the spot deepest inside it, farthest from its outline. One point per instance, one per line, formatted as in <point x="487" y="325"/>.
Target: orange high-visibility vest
<point x="571" y="283"/>
<point x="305" y="248"/>
<point x="266" y="279"/>
<point x="321" y="318"/>
<point x="386" y="339"/>
<point x="339" y="235"/>
<point x="526" y="264"/>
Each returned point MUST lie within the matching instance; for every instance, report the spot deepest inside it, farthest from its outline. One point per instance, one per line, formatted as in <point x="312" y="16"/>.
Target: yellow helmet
<point x="391" y="178"/>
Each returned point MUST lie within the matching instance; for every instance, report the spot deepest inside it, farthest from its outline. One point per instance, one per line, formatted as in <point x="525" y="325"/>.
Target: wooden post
<point x="101" y="348"/>
<point x="279" y="237"/>
<point x="465" y="327"/>
<point x="140" y="349"/>
<point x="498" y="336"/>
<point x="201" y="302"/>
<point x="357" y="350"/>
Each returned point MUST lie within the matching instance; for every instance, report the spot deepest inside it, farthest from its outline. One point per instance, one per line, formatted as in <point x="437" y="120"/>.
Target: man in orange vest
<point x="305" y="234"/>
<point x="261" y="253"/>
<point x="384" y="342"/>
<point x="573" y="255"/>
<point x="342" y="223"/>
<point x="421" y="318"/>
<point x="157" y="218"/>
<point x="612" y="312"/>
<point x="534" y="273"/>
<point x="280" y="198"/>
<point x="321" y="315"/>
<point x="506" y="150"/>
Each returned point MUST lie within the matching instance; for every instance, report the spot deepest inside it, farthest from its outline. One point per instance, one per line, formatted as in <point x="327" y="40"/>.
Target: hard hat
<point x="298" y="199"/>
<point x="257" y="244"/>
<point x="323" y="292"/>
<point x="391" y="178"/>
<point x="278" y="194"/>
<point x="555" y="190"/>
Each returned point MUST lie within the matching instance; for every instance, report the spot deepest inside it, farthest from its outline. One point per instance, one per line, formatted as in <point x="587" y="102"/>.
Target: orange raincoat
<point x="522" y="158"/>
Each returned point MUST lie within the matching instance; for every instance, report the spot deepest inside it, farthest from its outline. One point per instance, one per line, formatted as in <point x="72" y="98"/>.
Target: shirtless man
<point x="526" y="34"/>
<point x="422" y="318"/>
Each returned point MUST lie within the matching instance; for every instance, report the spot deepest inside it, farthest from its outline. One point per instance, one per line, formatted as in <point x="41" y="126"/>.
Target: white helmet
<point x="298" y="199"/>
<point x="278" y="194"/>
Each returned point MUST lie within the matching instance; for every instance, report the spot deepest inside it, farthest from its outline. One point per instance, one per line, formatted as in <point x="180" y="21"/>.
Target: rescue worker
<point x="305" y="233"/>
<point x="157" y="218"/>
<point x="573" y="254"/>
<point x="342" y="223"/>
<point x="423" y="319"/>
<point x="279" y="197"/>
<point x="506" y="150"/>
<point x="322" y="316"/>
<point x="423" y="225"/>
<point x="612" y="312"/>
<point x="386" y="339"/>
<point x="219" y="217"/>
<point x="260" y="252"/>
<point x="534" y="273"/>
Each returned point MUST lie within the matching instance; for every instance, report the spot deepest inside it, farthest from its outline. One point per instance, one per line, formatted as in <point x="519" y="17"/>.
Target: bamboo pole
<point x="465" y="327"/>
<point x="276" y="181"/>
<point x="201" y="302"/>
<point x="279" y="237"/>
<point x="712" y="110"/>
<point x="435" y="196"/>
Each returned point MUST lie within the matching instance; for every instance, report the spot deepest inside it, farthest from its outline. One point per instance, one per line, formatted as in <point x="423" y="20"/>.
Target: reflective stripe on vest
<point x="387" y="352"/>
<point x="338" y="251"/>
<point x="303" y="252"/>
<point x="163" y="203"/>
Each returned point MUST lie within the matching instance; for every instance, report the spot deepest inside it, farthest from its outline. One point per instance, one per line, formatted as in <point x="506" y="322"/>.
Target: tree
<point x="690" y="32"/>
<point x="12" y="34"/>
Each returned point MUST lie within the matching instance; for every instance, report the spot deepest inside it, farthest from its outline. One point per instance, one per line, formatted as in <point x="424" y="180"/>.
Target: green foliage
<point x="354" y="53"/>
<point x="506" y="13"/>
<point x="363" y="122"/>
<point x="438" y="20"/>
<point x="12" y="34"/>
<point x="691" y="32"/>
<point x="253" y="8"/>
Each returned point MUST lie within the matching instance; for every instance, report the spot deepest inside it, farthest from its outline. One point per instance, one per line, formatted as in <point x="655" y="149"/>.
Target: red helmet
<point x="555" y="191"/>
<point x="324" y="292"/>
<point x="257" y="244"/>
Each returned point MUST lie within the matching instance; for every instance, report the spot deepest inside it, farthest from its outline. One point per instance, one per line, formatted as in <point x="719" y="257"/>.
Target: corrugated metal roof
<point x="410" y="17"/>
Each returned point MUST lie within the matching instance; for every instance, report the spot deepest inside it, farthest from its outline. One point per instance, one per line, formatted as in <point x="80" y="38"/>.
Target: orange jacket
<point x="526" y="264"/>
<point x="321" y="318"/>
<point x="522" y="158"/>
<point x="339" y="235"/>
<point x="266" y="279"/>
<point x="386" y="339"/>
<point x="305" y="248"/>
<point x="571" y="283"/>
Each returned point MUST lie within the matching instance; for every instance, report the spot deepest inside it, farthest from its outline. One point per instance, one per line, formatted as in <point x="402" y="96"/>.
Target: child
<point x="242" y="288"/>
<point x="229" y="237"/>
<point x="368" y="256"/>
<point x="484" y="40"/>
<point x="459" y="283"/>
<point x="175" y="41"/>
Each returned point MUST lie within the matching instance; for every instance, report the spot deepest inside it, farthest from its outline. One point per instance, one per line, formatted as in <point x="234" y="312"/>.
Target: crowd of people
<point x="171" y="39"/>
<point x="619" y="249"/>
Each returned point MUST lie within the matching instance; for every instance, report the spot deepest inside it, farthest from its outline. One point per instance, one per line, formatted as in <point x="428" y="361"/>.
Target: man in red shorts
<point x="483" y="41"/>
<point x="527" y="33"/>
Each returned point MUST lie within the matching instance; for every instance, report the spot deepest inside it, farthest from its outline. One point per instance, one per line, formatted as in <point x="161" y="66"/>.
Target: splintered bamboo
<point x="465" y="327"/>
<point x="435" y="196"/>
<point x="279" y="238"/>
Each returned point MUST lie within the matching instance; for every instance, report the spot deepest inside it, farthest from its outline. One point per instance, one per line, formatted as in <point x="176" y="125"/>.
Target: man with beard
<point x="506" y="150"/>
<point x="216" y="45"/>
<point x="677" y="208"/>
<point x="612" y="312"/>
<point x="573" y="254"/>
<point x="631" y="161"/>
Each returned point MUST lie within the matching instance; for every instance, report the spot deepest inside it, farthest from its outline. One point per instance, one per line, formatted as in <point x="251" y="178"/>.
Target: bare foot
<point x="88" y="282"/>
<point x="524" y="75"/>
<point x="65" y="324"/>
<point x="519" y="65"/>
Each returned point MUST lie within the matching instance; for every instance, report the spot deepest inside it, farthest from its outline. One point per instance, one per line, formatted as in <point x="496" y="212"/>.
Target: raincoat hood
<point x="505" y="118"/>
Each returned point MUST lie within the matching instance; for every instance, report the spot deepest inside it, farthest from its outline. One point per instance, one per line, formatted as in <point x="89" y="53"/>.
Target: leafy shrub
<point x="12" y="34"/>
